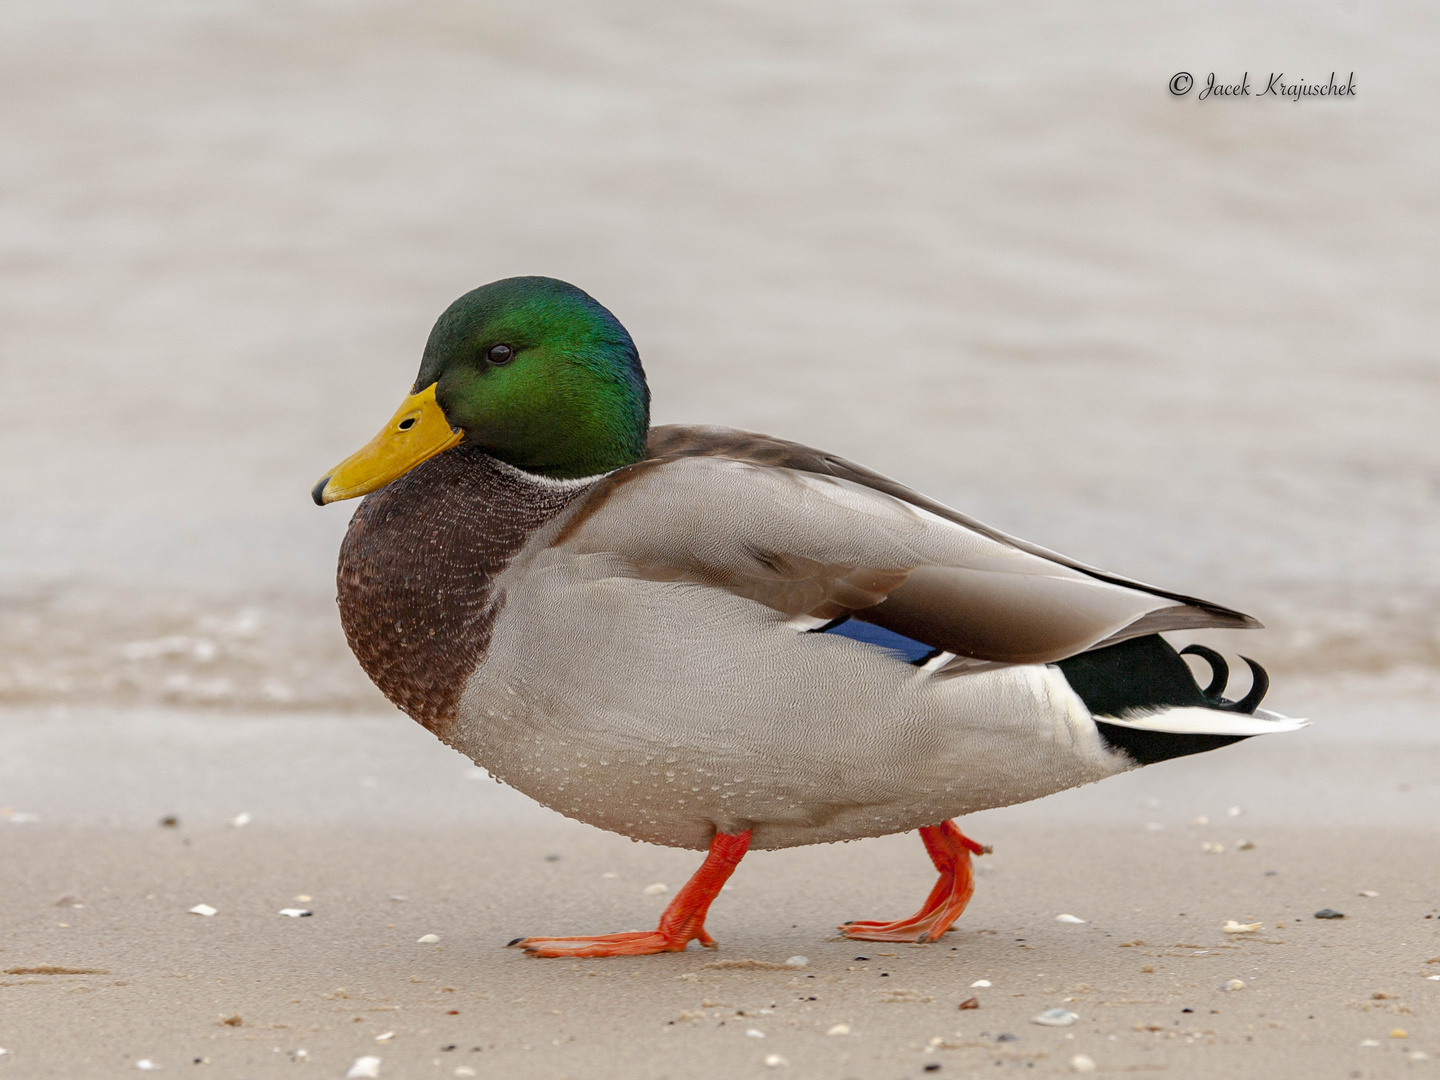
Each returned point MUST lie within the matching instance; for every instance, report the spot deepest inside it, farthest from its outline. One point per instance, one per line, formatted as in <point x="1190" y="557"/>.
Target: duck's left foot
<point x="683" y="920"/>
<point x="636" y="944"/>
<point x="950" y="851"/>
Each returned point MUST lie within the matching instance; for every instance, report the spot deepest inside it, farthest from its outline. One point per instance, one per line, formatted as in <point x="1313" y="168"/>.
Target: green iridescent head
<point x="537" y="373"/>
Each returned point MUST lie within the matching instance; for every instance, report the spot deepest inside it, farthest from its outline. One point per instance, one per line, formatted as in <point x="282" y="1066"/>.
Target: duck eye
<point x="407" y="423"/>
<point x="500" y="354"/>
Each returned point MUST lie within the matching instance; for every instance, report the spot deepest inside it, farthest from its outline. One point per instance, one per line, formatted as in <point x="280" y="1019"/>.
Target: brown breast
<point x="417" y="570"/>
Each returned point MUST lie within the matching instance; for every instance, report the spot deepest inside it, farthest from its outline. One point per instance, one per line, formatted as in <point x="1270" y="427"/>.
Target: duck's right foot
<point x="950" y="851"/>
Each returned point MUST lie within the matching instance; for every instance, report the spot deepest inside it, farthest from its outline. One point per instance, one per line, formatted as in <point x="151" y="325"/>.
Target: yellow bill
<point x="417" y="432"/>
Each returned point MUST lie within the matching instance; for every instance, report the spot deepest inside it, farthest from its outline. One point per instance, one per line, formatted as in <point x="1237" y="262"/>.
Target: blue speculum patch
<point x="908" y="649"/>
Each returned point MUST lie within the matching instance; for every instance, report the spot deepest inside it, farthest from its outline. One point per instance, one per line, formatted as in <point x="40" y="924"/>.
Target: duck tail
<point x="1147" y="704"/>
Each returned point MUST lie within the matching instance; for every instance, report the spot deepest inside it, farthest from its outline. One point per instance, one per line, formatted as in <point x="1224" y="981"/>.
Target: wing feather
<point x="814" y="537"/>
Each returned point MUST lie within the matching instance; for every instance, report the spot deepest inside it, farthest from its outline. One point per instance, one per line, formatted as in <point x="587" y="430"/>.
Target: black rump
<point x="1146" y="673"/>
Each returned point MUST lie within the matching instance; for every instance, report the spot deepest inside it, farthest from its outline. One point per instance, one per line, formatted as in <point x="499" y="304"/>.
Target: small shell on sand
<point x="365" y="1068"/>
<point x="754" y="1033"/>
<point x="1055" y="1018"/>
<point x="202" y="909"/>
<point x="798" y="961"/>
<point x="1234" y="984"/>
<point x="1233" y="927"/>
<point x="775" y="1061"/>
<point x="1075" y="919"/>
<point x="658" y="889"/>
<point x="296" y="912"/>
<point x="839" y="1029"/>
<point x="1082" y="1063"/>
<point x="428" y="939"/>
<point x="1329" y="913"/>
<point x="970" y="1003"/>
<point x="979" y="982"/>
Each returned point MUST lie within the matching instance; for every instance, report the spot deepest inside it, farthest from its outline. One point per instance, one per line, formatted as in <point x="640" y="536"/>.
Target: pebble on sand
<point x="979" y="982"/>
<point x="658" y="889"/>
<point x="1070" y="919"/>
<point x="754" y="1033"/>
<point x="465" y="1070"/>
<point x="775" y="1061"/>
<point x="428" y="939"/>
<point x="202" y="909"/>
<point x="239" y="821"/>
<point x="1234" y="984"/>
<point x="1082" y="1063"/>
<point x="1399" y="1033"/>
<point x="970" y="1003"/>
<point x="365" y="1068"/>
<point x="1233" y="927"/>
<point x="146" y="1065"/>
<point x="1369" y="892"/>
<point x="1329" y="913"/>
<point x="838" y="1029"/>
<point x="1244" y="845"/>
<point x="296" y="912"/>
<point x="1055" y="1018"/>
<point x="386" y="1037"/>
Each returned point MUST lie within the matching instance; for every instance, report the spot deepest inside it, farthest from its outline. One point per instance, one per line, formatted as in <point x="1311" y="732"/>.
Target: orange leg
<point x="949" y="850"/>
<point x="683" y="919"/>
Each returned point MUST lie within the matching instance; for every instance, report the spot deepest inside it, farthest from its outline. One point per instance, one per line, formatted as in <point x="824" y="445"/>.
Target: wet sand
<point x="160" y="983"/>
<point x="353" y="811"/>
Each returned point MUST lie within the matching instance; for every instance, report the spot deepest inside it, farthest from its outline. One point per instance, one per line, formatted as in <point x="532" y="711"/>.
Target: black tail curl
<point x="1220" y="677"/>
<point x="1146" y="674"/>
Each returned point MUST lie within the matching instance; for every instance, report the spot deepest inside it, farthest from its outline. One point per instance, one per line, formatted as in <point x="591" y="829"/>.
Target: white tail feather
<point x="1193" y="720"/>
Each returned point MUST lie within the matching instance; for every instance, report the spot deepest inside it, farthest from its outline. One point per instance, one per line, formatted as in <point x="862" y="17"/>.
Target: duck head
<point x="532" y="371"/>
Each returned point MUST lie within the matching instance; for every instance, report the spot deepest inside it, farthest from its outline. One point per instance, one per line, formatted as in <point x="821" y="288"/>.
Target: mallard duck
<point x="713" y="639"/>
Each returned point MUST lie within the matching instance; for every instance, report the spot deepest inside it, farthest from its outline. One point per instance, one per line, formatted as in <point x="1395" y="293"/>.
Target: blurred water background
<point x="982" y="249"/>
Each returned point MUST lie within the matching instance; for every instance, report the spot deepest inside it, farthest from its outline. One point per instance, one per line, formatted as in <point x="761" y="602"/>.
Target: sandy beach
<point x="387" y="836"/>
<point x="1190" y="342"/>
